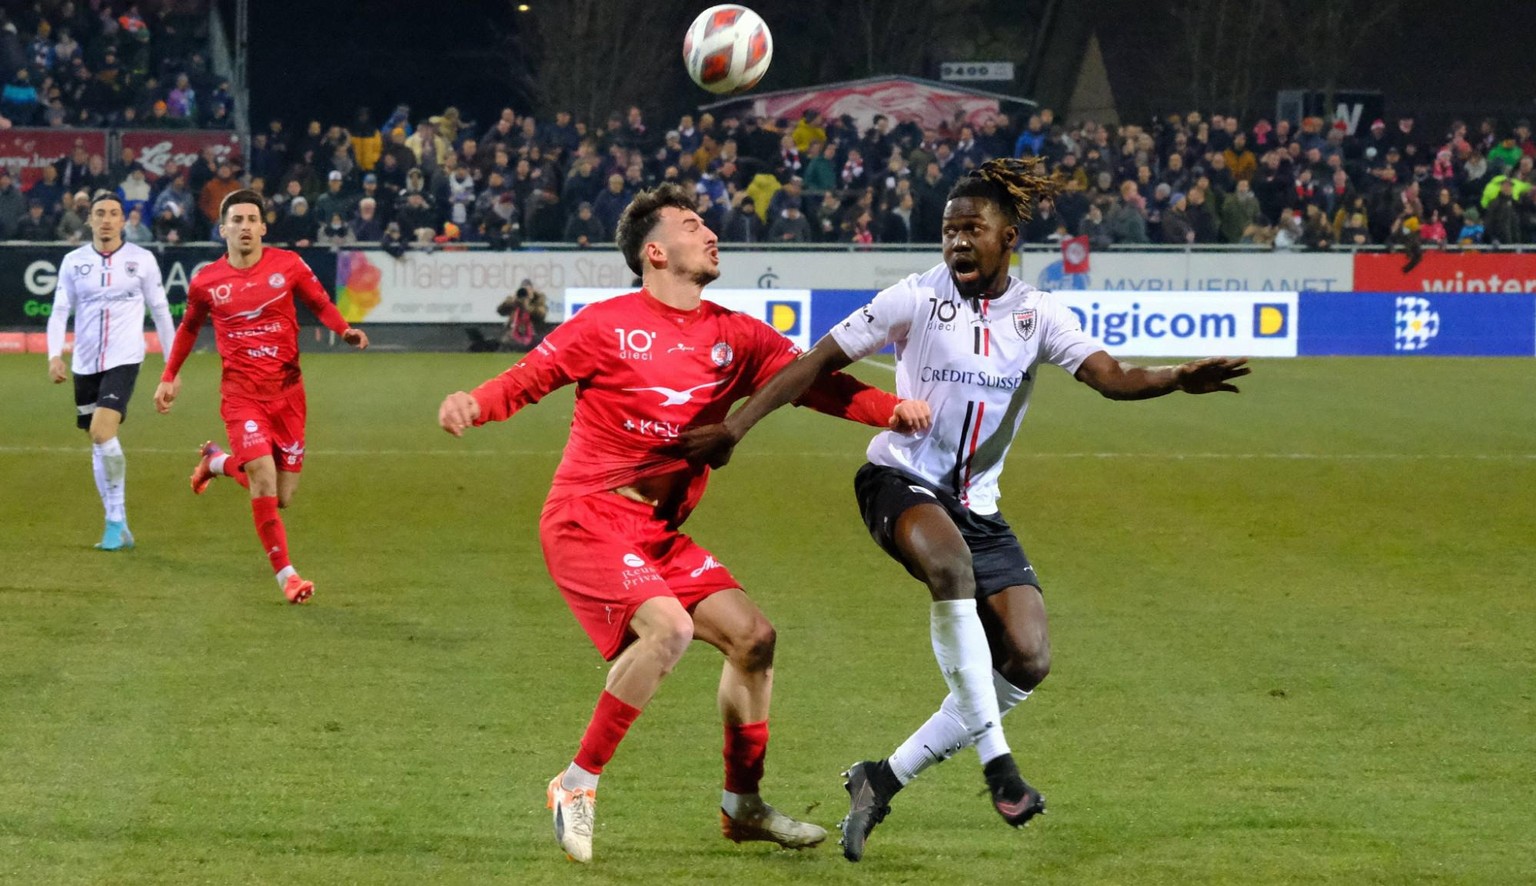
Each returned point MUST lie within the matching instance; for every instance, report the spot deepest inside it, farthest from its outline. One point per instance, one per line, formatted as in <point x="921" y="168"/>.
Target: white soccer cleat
<point x="574" y="811"/>
<point x="757" y="821"/>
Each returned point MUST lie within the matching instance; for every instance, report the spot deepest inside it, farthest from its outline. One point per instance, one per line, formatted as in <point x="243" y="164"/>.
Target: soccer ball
<point x="727" y="49"/>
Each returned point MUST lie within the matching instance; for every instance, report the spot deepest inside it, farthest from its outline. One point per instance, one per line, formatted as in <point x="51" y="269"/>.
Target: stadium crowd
<point x="1184" y="179"/>
<point x="115" y="64"/>
<point x="441" y="177"/>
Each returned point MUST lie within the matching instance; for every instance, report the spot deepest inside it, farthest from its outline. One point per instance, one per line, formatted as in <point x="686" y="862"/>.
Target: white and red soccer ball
<point x="727" y="49"/>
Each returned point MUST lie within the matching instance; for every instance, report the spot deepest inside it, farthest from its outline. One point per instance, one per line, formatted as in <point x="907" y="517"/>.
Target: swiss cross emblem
<point x="1024" y="323"/>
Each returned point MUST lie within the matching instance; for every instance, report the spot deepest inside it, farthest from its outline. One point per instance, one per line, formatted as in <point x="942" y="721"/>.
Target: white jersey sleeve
<point x="1063" y="341"/>
<point x="887" y="319"/>
<point x="159" y="306"/>
<point x="58" y="319"/>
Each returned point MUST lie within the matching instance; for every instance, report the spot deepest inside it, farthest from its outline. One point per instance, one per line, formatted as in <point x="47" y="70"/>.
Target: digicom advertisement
<point x="1188" y="324"/>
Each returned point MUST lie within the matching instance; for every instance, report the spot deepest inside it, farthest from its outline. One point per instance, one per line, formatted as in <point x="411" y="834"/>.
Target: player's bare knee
<point x="950" y="577"/>
<point x="754" y="652"/>
<point x="100" y="437"/>
<point x="671" y="641"/>
<point x="1026" y="668"/>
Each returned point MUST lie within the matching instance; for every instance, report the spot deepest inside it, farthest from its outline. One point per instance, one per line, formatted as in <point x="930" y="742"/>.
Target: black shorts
<point x="997" y="559"/>
<point x="110" y="389"/>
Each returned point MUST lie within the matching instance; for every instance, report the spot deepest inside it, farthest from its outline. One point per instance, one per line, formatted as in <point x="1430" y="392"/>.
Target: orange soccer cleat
<point x="297" y="590"/>
<point x="202" y="475"/>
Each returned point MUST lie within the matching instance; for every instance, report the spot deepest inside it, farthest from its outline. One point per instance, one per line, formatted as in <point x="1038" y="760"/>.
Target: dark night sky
<point x="323" y="59"/>
<point x="327" y="58"/>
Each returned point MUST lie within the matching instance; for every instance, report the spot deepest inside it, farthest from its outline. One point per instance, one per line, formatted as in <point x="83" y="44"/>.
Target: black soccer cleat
<point x="1012" y="796"/>
<point x="870" y="789"/>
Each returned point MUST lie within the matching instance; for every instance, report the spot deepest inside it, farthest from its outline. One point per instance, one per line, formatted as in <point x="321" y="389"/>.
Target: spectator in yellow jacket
<point x="808" y="130"/>
<point x="367" y="141"/>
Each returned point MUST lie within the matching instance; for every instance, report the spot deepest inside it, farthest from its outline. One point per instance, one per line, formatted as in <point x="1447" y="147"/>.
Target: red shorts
<point x="267" y="427"/>
<point x="608" y="555"/>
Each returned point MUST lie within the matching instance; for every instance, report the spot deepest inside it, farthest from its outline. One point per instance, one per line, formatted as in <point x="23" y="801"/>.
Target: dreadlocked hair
<point x="1014" y="185"/>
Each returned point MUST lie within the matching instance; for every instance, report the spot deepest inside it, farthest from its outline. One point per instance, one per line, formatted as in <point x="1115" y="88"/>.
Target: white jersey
<point x="108" y="295"/>
<point x="973" y="361"/>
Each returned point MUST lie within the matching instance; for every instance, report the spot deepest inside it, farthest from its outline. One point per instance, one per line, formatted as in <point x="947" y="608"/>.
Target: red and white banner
<point x="1074" y="255"/>
<point x="898" y="98"/>
<point x="26" y="151"/>
<point x="155" y="147"/>
<point x="1447" y="272"/>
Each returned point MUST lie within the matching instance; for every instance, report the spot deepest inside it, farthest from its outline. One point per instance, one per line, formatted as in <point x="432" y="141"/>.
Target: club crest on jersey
<point x="276" y="281"/>
<point x="722" y="354"/>
<point x="133" y="268"/>
<point x="1024" y="323"/>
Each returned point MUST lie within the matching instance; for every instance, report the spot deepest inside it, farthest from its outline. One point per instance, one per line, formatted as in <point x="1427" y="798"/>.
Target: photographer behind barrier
<point x="525" y="311"/>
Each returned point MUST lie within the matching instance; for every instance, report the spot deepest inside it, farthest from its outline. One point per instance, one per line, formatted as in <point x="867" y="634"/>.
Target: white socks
<point x="216" y="464"/>
<point x="282" y="575"/>
<point x="960" y="645"/>
<point x="944" y="734"/>
<point x="735" y="805"/>
<point x="577" y="778"/>
<point x="111" y="469"/>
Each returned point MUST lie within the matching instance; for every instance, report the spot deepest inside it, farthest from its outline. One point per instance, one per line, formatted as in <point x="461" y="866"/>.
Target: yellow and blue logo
<point x="783" y="316"/>
<point x="1272" y="320"/>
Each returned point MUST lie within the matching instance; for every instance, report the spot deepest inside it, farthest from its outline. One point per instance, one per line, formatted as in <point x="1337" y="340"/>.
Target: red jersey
<point x="644" y="373"/>
<point x="254" y="321"/>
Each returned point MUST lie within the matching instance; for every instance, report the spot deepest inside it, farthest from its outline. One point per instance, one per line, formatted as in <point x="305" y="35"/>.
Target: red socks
<point x="236" y="473"/>
<point x="269" y="528"/>
<point x="745" y="747"/>
<point x="610" y="720"/>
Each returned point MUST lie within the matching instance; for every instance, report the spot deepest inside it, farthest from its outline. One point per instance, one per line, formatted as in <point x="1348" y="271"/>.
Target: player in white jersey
<point x="107" y="286"/>
<point x="968" y="339"/>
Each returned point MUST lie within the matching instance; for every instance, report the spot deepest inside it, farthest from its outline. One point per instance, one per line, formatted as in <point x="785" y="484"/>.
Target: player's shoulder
<point x="723" y="314"/>
<point x="282" y="258"/>
<point x="933" y="282"/>
<point x="133" y="252"/>
<point x="211" y="272"/>
<point x="1025" y="294"/>
<point x="85" y="253"/>
<point x="618" y="306"/>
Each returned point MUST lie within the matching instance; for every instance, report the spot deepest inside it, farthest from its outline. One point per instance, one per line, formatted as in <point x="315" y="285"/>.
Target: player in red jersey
<point x="647" y="366"/>
<point x="249" y="295"/>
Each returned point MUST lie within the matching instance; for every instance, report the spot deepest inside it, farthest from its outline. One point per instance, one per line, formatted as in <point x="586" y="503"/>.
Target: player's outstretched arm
<point x="459" y="411"/>
<point x="712" y="444"/>
<point x="1127" y="381"/>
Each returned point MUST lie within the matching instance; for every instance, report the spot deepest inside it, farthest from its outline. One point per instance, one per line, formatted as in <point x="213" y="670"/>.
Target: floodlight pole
<point x="241" y="64"/>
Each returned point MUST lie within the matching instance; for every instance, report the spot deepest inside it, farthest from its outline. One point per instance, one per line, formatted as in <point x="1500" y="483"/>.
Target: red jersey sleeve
<point x="192" y="318"/>
<point x="566" y="355"/>
<point x="307" y="287"/>
<point x="836" y="393"/>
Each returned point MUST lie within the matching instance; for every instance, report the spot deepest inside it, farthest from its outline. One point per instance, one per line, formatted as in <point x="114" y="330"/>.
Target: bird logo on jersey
<point x="1024" y="323"/>
<point x="670" y="397"/>
<point x="133" y="268"/>
<point x="722" y="354"/>
<point x="255" y="312"/>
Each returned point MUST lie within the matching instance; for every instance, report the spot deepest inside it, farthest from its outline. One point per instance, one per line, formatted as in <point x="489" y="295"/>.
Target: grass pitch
<point x="1294" y="635"/>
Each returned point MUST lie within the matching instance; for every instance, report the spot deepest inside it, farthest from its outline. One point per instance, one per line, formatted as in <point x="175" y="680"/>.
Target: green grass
<point x="1305" y="652"/>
